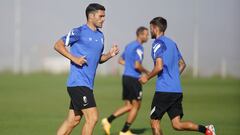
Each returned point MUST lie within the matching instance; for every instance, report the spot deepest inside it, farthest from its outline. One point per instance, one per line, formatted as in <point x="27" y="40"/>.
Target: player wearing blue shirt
<point x="131" y="58"/>
<point x="133" y="52"/>
<point x="86" y="52"/>
<point x="168" y="65"/>
<point x="168" y="80"/>
<point x="84" y="42"/>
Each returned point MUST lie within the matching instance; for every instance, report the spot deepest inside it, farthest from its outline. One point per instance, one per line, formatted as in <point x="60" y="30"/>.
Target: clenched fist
<point x="79" y="60"/>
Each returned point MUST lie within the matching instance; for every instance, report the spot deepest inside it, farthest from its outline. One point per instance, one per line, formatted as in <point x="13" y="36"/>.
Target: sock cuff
<point x="111" y="118"/>
<point x="202" y="129"/>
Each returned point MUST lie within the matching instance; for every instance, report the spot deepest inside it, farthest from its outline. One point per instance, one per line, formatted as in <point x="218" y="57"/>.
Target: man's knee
<point x="136" y="104"/>
<point x="177" y="126"/>
<point x="154" y="124"/>
<point x="129" y="106"/>
<point x="155" y="127"/>
<point x="92" y="120"/>
<point x="72" y="122"/>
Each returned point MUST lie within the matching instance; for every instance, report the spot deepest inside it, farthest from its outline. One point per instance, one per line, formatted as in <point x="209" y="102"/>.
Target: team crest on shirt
<point x="96" y="40"/>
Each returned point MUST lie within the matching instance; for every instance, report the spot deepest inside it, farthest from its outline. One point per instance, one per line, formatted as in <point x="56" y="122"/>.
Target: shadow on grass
<point x="137" y="131"/>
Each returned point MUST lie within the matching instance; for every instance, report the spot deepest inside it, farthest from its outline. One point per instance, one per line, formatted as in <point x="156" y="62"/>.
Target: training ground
<point x="36" y="104"/>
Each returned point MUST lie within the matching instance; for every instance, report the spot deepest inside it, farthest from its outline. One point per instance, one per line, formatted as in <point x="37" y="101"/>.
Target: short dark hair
<point x="140" y="30"/>
<point x="160" y="22"/>
<point x="93" y="7"/>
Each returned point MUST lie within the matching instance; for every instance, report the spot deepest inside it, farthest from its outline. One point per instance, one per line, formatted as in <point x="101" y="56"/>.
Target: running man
<point x="86" y="47"/>
<point x="168" y="65"/>
<point x="131" y="58"/>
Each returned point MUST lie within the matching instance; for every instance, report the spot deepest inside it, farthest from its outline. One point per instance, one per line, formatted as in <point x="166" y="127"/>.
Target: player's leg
<point x="175" y="113"/>
<point x="132" y="115"/>
<point x="133" y="112"/>
<point x="134" y="94"/>
<point x="120" y="111"/>
<point x="155" y="125"/>
<point x="91" y="118"/>
<point x="71" y="121"/>
<point x="74" y="115"/>
<point x="159" y="106"/>
<point x="125" y="96"/>
<point x="106" y="122"/>
<point x="82" y="99"/>
<point x="190" y="126"/>
<point x="179" y="125"/>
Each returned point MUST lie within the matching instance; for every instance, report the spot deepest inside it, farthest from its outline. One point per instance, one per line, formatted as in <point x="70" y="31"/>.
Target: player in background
<point x="86" y="52"/>
<point x="131" y="58"/>
<point x="168" y="65"/>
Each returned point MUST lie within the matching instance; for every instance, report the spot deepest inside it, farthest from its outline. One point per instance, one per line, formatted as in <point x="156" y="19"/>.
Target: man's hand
<point x="79" y="60"/>
<point x="143" y="79"/>
<point x="121" y="61"/>
<point x="114" y="51"/>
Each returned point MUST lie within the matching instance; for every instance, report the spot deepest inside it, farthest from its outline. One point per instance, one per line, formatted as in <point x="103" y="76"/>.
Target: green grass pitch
<point x="37" y="104"/>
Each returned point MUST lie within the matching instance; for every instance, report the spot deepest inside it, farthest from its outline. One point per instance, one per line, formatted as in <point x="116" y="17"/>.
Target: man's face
<point x="98" y="18"/>
<point x="144" y="36"/>
<point x="153" y="30"/>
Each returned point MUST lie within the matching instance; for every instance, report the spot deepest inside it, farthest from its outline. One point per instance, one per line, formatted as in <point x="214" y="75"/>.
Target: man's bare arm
<point x="181" y="65"/>
<point x="61" y="48"/>
<point x="113" y="52"/>
<point x="121" y="61"/>
<point x="157" y="68"/>
<point x="140" y="68"/>
<point x="105" y="57"/>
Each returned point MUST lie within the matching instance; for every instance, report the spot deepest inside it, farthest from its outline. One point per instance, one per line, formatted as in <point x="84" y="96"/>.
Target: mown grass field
<point x="37" y="104"/>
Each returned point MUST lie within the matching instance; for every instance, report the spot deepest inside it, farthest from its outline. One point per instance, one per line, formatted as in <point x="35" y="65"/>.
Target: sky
<point x="212" y="24"/>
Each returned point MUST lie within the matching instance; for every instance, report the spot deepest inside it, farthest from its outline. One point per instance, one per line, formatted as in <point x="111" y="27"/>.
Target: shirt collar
<point x="86" y="26"/>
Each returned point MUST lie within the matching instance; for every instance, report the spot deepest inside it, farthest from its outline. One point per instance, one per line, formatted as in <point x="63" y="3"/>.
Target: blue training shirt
<point x="133" y="52"/>
<point x="169" y="79"/>
<point x="83" y="41"/>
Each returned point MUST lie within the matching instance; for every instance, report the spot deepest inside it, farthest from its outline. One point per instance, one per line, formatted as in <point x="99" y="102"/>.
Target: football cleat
<point x="126" y="133"/>
<point x="210" y="130"/>
<point x="106" y="126"/>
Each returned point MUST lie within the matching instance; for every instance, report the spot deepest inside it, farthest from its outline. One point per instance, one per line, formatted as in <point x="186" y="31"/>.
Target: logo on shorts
<point x="140" y="95"/>
<point x="153" y="110"/>
<point x="85" y="101"/>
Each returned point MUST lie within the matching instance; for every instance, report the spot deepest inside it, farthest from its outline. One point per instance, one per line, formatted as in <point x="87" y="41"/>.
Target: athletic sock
<point x="111" y="118"/>
<point x="202" y="129"/>
<point x="126" y="127"/>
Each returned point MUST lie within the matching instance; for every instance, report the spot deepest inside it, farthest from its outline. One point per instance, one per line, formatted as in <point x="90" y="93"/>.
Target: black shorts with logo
<point x="81" y="98"/>
<point x="166" y="102"/>
<point x="132" y="88"/>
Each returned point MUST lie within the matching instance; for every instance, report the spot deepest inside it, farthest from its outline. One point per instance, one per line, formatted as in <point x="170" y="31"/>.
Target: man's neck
<point x="159" y="35"/>
<point x="139" y="41"/>
<point x="91" y="26"/>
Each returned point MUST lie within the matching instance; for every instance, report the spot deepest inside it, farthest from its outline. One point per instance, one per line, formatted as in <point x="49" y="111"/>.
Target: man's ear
<point x="91" y="15"/>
